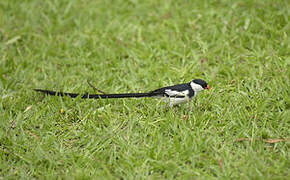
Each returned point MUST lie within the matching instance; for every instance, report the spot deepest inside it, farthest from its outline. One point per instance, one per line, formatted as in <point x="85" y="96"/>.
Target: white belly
<point x="174" y="101"/>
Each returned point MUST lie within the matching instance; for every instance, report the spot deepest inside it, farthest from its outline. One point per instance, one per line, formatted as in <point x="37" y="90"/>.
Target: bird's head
<point x="198" y="85"/>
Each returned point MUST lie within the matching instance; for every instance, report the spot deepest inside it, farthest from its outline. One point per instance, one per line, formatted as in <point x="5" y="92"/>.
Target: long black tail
<point x="97" y="96"/>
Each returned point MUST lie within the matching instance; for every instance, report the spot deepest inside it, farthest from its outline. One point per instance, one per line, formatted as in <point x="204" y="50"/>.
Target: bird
<point x="175" y="95"/>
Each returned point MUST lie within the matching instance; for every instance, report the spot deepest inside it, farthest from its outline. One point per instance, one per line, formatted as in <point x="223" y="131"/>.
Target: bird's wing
<point x="174" y="93"/>
<point x="178" y="91"/>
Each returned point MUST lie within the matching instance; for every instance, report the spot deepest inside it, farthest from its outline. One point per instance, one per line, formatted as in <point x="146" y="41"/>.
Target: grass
<point x="238" y="130"/>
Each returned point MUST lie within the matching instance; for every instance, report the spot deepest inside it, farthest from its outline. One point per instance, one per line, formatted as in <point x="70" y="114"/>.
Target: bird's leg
<point x="96" y="88"/>
<point x="191" y="107"/>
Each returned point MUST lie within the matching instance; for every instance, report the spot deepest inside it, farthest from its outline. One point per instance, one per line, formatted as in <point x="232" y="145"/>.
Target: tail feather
<point x="97" y="96"/>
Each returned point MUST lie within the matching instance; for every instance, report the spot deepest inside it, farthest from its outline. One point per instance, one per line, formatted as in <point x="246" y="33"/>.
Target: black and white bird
<point x="176" y="94"/>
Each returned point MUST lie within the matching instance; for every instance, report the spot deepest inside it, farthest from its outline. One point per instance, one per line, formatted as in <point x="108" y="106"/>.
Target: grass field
<point x="240" y="129"/>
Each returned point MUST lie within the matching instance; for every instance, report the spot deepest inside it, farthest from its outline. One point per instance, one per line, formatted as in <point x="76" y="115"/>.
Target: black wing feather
<point x="178" y="87"/>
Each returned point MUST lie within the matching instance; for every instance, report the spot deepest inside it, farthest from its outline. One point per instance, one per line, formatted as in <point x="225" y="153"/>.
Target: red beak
<point x="207" y="87"/>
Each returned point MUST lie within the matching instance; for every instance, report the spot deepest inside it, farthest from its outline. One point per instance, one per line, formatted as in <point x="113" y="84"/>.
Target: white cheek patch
<point x="196" y="87"/>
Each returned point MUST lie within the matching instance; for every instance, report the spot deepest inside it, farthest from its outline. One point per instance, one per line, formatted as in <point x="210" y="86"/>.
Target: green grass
<point x="240" y="47"/>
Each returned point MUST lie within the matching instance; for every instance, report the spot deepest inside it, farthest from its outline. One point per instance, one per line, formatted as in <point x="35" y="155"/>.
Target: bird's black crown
<point x="200" y="82"/>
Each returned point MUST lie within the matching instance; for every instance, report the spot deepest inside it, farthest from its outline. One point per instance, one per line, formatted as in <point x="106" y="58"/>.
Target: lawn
<point x="240" y="129"/>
